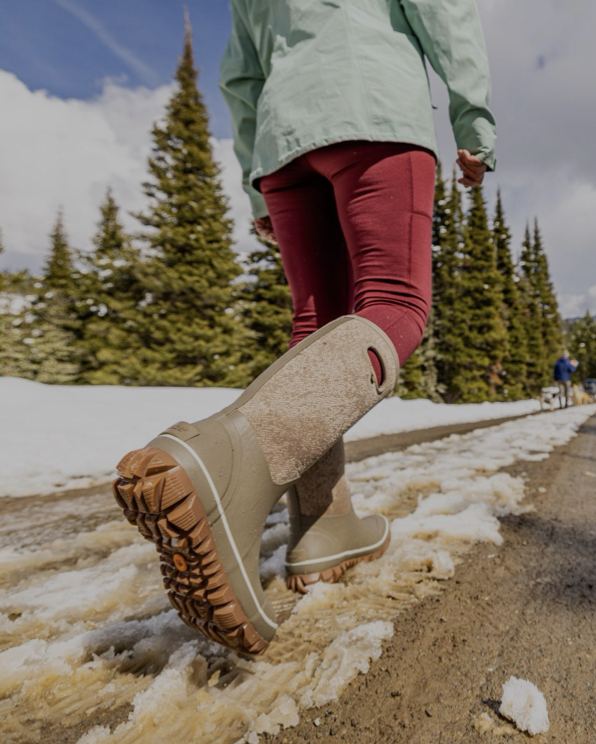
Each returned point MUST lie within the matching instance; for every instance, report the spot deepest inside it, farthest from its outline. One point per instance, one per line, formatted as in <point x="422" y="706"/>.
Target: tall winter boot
<point x="326" y="536"/>
<point x="202" y="492"/>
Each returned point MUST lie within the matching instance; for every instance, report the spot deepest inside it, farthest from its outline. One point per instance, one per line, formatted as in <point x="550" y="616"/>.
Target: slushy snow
<point x="86" y="629"/>
<point x="524" y="704"/>
<point x="60" y="437"/>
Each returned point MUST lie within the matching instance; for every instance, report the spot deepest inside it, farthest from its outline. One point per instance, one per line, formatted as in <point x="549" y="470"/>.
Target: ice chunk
<point x="524" y="704"/>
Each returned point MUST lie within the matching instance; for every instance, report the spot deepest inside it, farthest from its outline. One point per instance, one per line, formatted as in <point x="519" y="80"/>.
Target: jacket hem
<point x="262" y="171"/>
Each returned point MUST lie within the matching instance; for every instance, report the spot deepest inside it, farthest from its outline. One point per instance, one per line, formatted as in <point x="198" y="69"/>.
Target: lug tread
<point x="157" y="496"/>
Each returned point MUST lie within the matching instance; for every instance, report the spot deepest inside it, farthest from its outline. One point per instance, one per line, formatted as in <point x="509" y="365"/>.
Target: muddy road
<point x="527" y="609"/>
<point x="412" y="648"/>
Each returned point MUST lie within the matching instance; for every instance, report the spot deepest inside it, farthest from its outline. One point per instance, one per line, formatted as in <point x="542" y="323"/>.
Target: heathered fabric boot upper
<point x="311" y="396"/>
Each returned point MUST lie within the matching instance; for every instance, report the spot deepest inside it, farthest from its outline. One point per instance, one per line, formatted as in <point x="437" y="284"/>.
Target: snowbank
<point x="57" y="437"/>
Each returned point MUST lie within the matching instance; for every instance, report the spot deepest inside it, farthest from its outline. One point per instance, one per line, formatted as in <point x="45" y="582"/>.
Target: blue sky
<point x="68" y="47"/>
<point x="106" y="68"/>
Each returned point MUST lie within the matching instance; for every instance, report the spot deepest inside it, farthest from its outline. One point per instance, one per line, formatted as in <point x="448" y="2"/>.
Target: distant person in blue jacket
<point x="564" y="368"/>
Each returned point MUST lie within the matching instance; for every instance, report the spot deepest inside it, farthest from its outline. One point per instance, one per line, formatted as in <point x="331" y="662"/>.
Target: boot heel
<point x="299" y="583"/>
<point x="158" y="498"/>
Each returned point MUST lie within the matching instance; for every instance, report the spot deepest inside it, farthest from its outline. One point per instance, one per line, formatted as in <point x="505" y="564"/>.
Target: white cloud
<point x="67" y="152"/>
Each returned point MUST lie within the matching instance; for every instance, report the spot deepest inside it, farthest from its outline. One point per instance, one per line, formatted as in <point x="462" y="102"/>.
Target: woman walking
<point x="333" y="129"/>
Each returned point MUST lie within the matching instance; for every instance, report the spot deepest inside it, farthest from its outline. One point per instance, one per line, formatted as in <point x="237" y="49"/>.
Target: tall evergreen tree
<point x="418" y="377"/>
<point x="52" y="323"/>
<point x="476" y="377"/>
<point x="552" y="326"/>
<point x="581" y="344"/>
<point x="266" y="311"/>
<point x="543" y="324"/>
<point x="448" y="310"/>
<point x="58" y="271"/>
<point x="52" y="344"/>
<point x="187" y="333"/>
<point x="532" y="319"/>
<point x="16" y="359"/>
<point x="514" y="360"/>
<point x="108" y="295"/>
<point x="16" y="296"/>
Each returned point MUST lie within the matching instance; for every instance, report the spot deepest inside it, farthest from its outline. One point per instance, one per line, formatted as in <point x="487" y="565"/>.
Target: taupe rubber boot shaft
<point x="326" y="536"/>
<point x="323" y="490"/>
<point x="202" y="491"/>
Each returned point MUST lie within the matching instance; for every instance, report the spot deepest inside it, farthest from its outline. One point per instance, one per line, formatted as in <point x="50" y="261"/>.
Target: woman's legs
<point x="312" y="246"/>
<point x="379" y="196"/>
<point x="375" y="198"/>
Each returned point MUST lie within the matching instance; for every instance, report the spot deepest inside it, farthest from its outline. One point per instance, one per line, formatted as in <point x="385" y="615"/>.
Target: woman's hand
<point x="264" y="229"/>
<point x="472" y="168"/>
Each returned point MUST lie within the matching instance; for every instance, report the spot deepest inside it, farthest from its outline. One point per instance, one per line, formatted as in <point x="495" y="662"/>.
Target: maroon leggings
<point x="353" y="221"/>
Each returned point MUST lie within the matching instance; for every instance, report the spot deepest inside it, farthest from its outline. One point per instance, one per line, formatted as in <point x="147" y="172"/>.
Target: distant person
<point x="333" y="127"/>
<point x="564" y="368"/>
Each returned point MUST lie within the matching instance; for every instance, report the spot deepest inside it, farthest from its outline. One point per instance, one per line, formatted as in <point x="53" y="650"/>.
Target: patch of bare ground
<point x="526" y="609"/>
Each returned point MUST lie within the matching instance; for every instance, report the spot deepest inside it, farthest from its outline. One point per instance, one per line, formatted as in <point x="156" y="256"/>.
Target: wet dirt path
<point x="92" y="650"/>
<point x="526" y="609"/>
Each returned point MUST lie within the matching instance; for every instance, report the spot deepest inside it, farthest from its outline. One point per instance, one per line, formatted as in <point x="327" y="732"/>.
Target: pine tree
<point x="15" y="325"/>
<point x="483" y="334"/>
<point x="58" y="271"/>
<point x="187" y="332"/>
<point x="108" y="295"/>
<point x="15" y="355"/>
<point x="448" y="310"/>
<point x="52" y="345"/>
<point x="543" y="324"/>
<point x="418" y="377"/>
<point x="51" y="324"/>
<point x="552" y="326"/>
<point x="266" y="311"/>
<point x="514" y="360"/>
<point x="532" y="319"/>
<point x="581" y="344"/>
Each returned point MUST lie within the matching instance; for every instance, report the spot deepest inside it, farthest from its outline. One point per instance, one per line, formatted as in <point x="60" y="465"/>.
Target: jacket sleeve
<point x="241" y="83"/>
<point x="451" y="37"/>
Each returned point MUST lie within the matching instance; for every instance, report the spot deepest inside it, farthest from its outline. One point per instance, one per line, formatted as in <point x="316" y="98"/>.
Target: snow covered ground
<point x="88" y="638"/>
<point x="62" y="437"/>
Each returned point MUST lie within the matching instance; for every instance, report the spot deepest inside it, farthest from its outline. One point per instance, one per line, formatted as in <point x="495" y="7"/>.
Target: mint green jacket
<point x="301" y="74"/>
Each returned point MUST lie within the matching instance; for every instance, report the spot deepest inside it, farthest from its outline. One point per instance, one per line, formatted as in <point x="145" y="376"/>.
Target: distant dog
<point x="548" y="396"/>
<point x="581" y="398"/>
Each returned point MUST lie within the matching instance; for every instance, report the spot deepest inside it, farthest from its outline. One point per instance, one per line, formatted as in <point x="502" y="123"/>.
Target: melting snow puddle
<point x="87" y="638"/>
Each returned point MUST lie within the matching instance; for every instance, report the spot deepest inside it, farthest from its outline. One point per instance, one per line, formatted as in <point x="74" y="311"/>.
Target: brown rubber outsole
<point x="300" y="582"/>
<point x="158" y="498"/>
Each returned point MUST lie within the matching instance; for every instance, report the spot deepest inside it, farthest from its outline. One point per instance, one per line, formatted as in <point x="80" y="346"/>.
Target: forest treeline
<point x="175" y="305"/>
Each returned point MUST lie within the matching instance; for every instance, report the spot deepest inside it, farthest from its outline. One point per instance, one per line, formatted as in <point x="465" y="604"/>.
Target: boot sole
<point x="158" y="497"/>
<point x="299" y="583"/>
